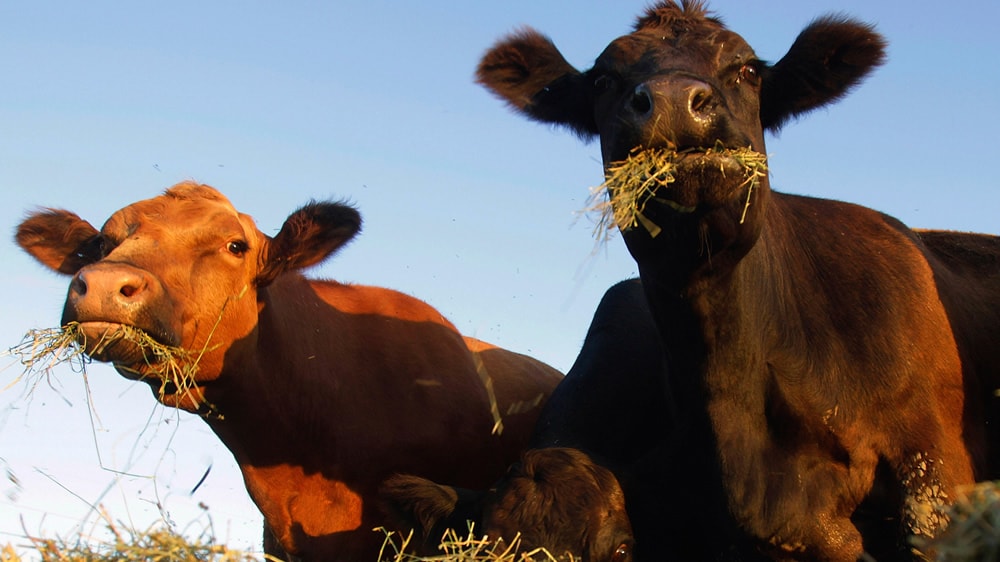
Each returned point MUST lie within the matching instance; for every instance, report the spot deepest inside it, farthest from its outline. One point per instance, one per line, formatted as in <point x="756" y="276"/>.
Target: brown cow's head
<point x="183" y="268"/>
<point x="555" y="498"/>
<point x="682" y="81"/>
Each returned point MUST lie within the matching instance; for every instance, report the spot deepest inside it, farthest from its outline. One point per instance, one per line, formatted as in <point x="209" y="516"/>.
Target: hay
<point x="973" y="534"/>
<point x="631" y="183"/>
<point x="455" y="548"/>
<point x="158" y="543"/>
<point x="173" y="367"/>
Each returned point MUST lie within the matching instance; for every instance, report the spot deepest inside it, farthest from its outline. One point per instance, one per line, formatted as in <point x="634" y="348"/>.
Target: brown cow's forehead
<point x="193" y="218"/>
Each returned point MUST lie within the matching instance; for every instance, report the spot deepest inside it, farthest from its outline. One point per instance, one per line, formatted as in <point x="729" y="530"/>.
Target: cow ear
<point x="828" y="58"/>
<point x="527" y="71"/>
<point x="412" y="502"/>
<point x="59" y="240"/>
<point x="309" y="236"/>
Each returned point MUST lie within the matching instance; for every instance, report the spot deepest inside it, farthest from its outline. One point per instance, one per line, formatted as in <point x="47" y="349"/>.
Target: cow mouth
<point x="676" y="181"/>
<point x="120" y="344"/>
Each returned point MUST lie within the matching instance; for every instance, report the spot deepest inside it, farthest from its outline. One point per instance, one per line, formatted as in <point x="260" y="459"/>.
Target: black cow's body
<point x="833" y="371"/>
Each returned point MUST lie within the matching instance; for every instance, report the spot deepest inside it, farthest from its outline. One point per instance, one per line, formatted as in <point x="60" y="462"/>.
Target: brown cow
<point x="321" y="390"/>
<point x="826" y="361"/>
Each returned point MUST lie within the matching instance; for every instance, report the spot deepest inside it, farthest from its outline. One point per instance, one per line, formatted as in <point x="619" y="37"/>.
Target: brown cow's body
<point x="833" y="371"/>
<point x="321" y="390"/>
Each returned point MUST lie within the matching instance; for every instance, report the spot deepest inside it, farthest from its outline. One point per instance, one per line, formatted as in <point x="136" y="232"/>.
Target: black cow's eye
<point x="237" y="247"/>
<point x="749" y="73"/>
<point x="622" y="554"/>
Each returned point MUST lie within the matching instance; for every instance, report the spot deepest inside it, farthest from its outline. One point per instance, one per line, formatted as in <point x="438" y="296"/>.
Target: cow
<point x="582" y="488"/>
<point x="320" y="390"/>
<point x="826" y="362"/>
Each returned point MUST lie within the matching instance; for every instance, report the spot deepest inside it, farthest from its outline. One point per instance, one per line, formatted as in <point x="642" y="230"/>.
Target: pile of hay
<point x="173" y="367"/>
<point x="159" y="543"/>
<point x="973" y="533"/>
<point x="469" y="548"/>
<point x="633" y="182"/>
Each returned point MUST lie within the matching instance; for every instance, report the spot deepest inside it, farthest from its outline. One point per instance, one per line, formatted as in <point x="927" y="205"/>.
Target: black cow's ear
<point x="309" y="236"/>
<point x="59" y="240"/>
<point x="829" y="57"/>
<point x="428" y="508"/>
<point x="527" y="71"/>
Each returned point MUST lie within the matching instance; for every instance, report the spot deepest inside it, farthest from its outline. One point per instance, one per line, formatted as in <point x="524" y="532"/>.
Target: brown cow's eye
<point x="622" y="554"/>
<point x="237" y="247"/>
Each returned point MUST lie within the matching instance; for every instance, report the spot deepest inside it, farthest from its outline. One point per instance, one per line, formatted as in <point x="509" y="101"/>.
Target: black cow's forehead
<point x="646" y="51"/>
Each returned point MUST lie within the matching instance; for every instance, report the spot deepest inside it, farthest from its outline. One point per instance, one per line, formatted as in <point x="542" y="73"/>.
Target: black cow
<point x="608" y="416"/>
<point x="827" y="362"/>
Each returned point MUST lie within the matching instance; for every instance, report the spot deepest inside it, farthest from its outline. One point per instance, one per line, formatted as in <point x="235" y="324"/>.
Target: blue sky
<point x="466" y="205"/>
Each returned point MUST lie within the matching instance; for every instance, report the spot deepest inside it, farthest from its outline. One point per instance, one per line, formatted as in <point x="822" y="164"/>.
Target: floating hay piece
<point x="973" y="534"/>
<point x="174" y="367"/>
<point x="631" y="183"/>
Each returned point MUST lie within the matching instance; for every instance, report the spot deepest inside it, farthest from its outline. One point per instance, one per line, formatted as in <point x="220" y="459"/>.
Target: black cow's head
<point x="556" y="499"/>
<point x="683" y="82"/>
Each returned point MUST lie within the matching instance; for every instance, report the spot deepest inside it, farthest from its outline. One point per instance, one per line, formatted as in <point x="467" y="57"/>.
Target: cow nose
<point x="641" y="102"/>
<point x="107" y="293"/>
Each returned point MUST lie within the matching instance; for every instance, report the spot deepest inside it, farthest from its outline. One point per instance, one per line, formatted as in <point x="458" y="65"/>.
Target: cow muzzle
<point x="105" y="295"/>
<point x="677" y="110"/>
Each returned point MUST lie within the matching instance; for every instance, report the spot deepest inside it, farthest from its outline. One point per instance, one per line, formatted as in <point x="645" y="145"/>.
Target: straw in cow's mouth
<point x="173" y="367"/>
<point x="631" y="183"/>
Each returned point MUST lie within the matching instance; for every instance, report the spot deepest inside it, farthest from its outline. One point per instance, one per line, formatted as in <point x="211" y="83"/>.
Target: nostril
<point x="642" y="101"/>
<point x="699" y="99"/>
<point x="78" y="285"/>
<point x="128" y="290"/>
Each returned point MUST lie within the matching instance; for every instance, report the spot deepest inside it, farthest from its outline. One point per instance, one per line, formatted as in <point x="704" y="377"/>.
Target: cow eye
<point x="748" y="73"/>
<point x="622" y="554"/>
<point x="237" y="247"/>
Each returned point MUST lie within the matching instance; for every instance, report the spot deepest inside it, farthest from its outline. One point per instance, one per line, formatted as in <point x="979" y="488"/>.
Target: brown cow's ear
<point x="527" y="71"/>
<point x="59" y="240"/>
<point x="829" y="57"/>
<point x="309" y="236"/>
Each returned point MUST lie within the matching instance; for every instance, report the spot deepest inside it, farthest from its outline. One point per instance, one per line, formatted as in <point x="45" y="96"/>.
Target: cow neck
<point x="713" y="317"/>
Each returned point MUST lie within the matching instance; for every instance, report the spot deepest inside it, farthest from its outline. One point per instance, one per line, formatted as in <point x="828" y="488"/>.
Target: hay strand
<point x="620" y="201"/>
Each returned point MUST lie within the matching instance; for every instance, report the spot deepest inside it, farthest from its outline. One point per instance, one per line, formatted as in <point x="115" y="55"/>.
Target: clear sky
<point x="466" y="205"/>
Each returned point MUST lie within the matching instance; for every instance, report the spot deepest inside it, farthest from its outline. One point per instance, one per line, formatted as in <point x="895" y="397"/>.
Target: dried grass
<point x="455" y="548"/>
<point x="973" y="534"/>
<point x="159" y="543"/>
<point x="630" y="184"/>
<point x="42" y="349"/>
